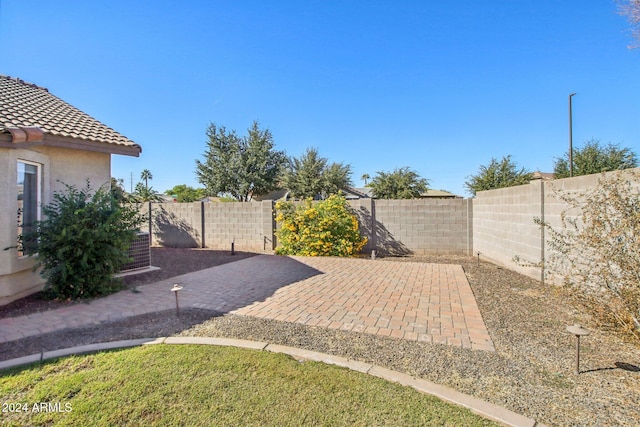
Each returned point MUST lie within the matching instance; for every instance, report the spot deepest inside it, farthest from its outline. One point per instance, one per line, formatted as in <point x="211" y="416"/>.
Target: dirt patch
<point x="152" y="325"/>
<point x="172" y="262"/>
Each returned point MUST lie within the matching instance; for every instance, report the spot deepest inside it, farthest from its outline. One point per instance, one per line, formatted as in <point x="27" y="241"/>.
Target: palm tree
<point x="146" y="194"/>
<point x="365" y="177"/>
<point x="146" y="175"/>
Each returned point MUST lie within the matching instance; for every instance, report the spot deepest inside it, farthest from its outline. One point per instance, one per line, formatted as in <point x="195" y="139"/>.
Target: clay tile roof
<point x="26" y="105"/>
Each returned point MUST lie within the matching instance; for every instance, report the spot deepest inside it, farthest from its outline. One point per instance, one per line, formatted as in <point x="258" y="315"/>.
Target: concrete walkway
<point x="413" y="301"/>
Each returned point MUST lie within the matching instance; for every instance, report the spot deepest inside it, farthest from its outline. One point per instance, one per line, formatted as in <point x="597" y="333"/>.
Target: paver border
<point x="478" y="406"/>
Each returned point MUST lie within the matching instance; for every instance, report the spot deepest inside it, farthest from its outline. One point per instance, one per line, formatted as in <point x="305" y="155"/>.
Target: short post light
<point x="176" y="288"/>
<point x="578" y="331"/>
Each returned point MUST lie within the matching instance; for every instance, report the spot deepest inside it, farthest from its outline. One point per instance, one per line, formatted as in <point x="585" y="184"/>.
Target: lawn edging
<point x="478" y="406"/>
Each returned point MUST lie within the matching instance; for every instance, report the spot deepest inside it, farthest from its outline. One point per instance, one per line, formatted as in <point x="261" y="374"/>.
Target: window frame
<point x="39" y="196"/>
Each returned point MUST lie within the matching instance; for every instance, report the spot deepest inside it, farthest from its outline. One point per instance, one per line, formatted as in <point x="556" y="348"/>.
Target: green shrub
<point x="325" y="228"/>
<point x="82" y="242"/>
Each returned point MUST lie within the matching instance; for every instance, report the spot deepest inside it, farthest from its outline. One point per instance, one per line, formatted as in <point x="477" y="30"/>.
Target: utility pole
<point x="570" y="136"/>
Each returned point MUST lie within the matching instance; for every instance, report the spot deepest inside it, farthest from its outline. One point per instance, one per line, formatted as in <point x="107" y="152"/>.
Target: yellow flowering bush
<point x="325" y="228"/>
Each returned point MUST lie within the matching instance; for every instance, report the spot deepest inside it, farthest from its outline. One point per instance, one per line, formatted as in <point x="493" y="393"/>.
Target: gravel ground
<point x="531" y="372"/>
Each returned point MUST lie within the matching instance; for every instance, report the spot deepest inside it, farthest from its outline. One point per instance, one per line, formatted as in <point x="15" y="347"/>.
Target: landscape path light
<point x="578" y="331"/>
<point x="176" y="288"/>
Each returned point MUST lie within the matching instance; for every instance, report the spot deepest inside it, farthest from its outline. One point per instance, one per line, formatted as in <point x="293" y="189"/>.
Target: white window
<point x="29" y="201"/>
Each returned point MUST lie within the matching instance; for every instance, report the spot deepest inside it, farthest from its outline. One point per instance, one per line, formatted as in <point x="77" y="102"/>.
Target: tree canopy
<point x="146" y="176"/>
<point x="117" y="190"/>
<point x="185" y="193"/>
<point x="142" y="193"/>
<point x="402" y="183"/>
<point x="595" y="158"/>
<point x="498" y="174"/>
<point x="312" y="176"/>
<point x="240" y="166"/>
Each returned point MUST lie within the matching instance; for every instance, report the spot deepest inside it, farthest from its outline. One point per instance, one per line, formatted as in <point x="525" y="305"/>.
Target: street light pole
<point x="570" y="136"/>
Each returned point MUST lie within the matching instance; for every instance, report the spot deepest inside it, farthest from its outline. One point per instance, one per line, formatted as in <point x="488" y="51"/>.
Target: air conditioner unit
<point x="140" y="251"/>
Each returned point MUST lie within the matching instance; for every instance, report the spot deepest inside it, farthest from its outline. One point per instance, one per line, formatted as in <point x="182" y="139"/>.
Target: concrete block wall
<point x="177" y="225"/>
<point x="421" y="226"/>
<point x="212" y="225"/>
<point x="503" y="226"/>
<point x="392" y="227"/>
<point x="248" y="225"/>
<point x="554" y="207"/>
<point x="497" y="223"/>
<point x="503" y="222"/>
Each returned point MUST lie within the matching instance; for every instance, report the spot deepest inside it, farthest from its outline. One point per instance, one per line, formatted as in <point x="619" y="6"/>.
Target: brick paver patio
<point x="413" y="301"/>
<point x="409" y="300"/>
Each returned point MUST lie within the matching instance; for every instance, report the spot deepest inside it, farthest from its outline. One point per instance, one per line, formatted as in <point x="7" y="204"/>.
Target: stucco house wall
<point x="67" y="145"/>
<point x="75" y="167"/>
<point x="59" y="166"/>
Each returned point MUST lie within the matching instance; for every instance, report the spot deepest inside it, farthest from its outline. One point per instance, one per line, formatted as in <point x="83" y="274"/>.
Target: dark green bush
<point x="83" y="241"/>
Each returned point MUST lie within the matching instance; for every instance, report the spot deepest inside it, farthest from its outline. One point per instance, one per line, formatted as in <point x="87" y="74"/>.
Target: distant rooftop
<point x="367" y="192"/>
<point x="441" y="194"/>
<point x="545" y="176"/>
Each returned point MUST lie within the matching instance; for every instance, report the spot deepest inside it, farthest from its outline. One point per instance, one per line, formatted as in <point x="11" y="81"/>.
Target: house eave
<point x="6" y="141"/>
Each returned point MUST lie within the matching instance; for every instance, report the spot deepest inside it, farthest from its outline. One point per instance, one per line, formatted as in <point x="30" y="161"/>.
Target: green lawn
<point x="191" y="385"/>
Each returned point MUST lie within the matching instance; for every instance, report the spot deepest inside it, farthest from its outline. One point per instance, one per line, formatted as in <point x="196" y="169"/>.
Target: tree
<point x="595" y="158"/>
<point x="242" y="167"/>
<point x="631" y="9"/>
<point x="117" y="190"/>
<point x="365" y="177"/>
<point x="311" y="176"/>
<point x="498" y="174"/>
<point x="146" y="176"/>
<point x="185" y="194"/>
<point x="337" y="176"/>
<point x="402" y="183"/>
<point x="143" y="193"/>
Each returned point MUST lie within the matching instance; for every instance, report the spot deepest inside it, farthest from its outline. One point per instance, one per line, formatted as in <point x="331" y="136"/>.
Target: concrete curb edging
<point x="481" y="407"/>
<point x="478" y="406"/>
<point x="83" y="349"/>
<point x="227" y="342"/>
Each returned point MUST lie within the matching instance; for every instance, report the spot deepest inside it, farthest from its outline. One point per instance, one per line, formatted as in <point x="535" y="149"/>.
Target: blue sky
<point x="439" y="86"/>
